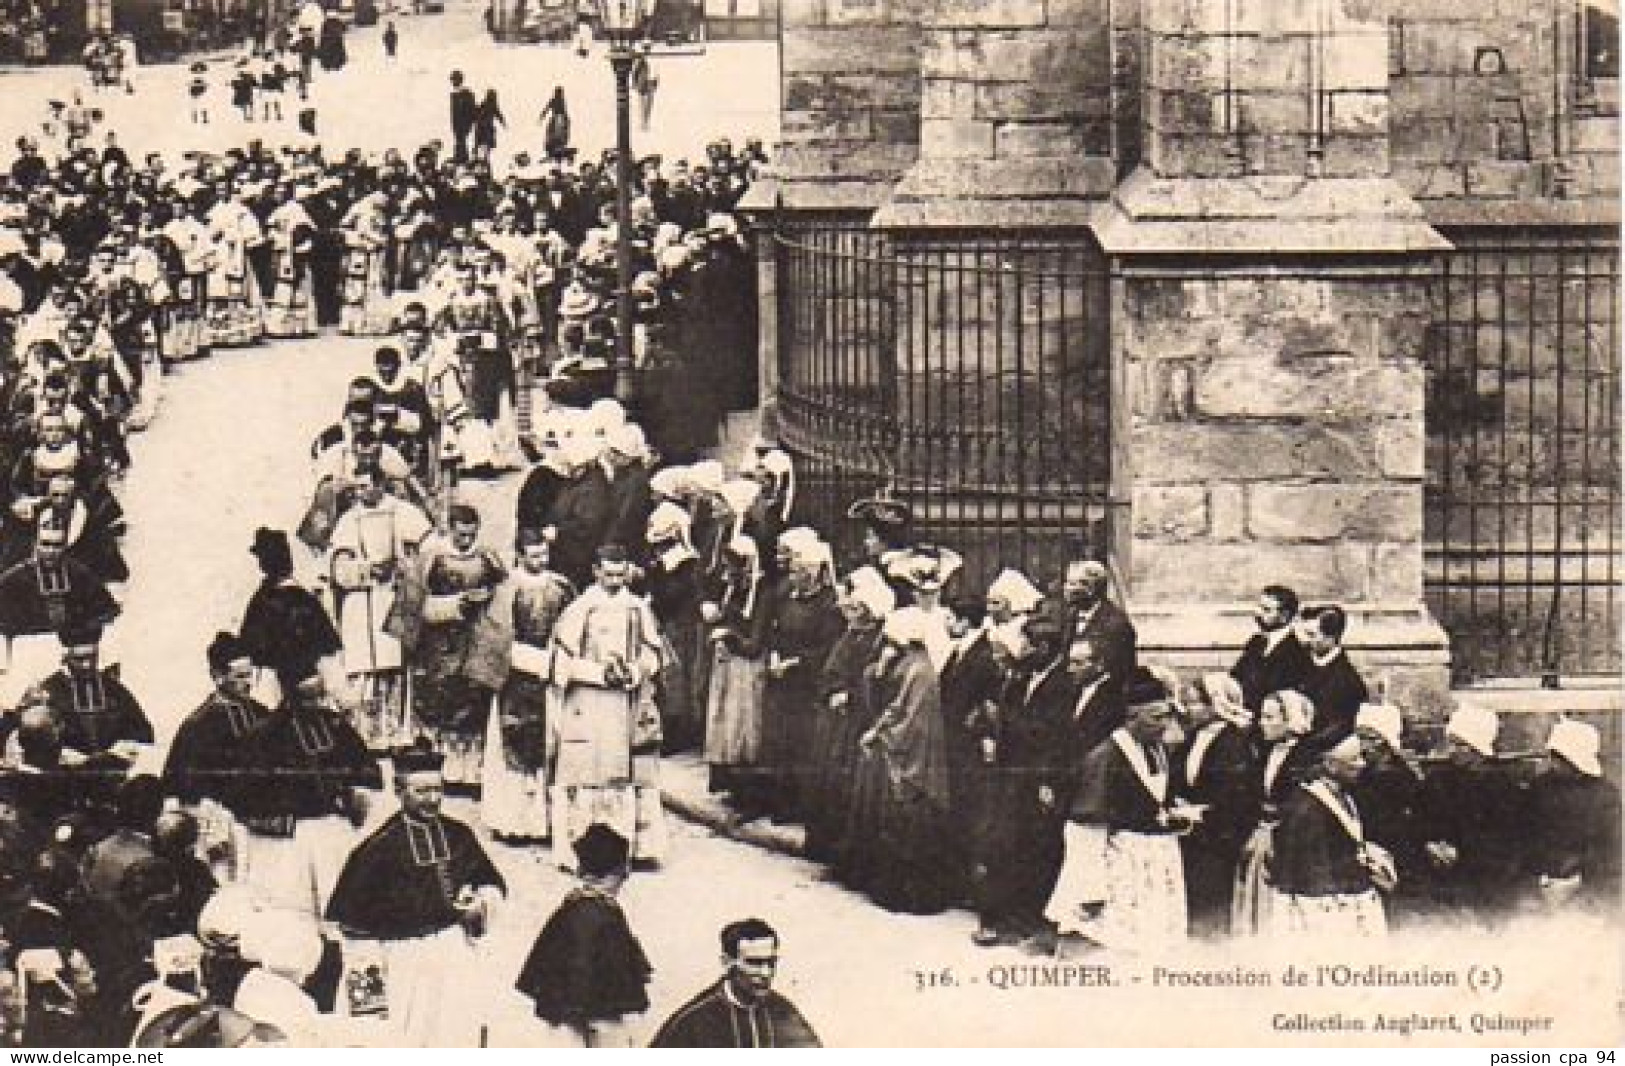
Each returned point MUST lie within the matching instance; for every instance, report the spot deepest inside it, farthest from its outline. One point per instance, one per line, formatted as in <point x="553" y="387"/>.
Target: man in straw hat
<point x="418" y="894"/>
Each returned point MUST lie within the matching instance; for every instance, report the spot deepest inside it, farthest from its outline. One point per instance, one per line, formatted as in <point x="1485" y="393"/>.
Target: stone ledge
<point x="772" y="194"/>
<point x="1471" y="212"/>
<point x="1264" y="215"/>
<point x="998" y="194"/>
<point x="1595" y="696"/>
<point x="1200" y="629"/>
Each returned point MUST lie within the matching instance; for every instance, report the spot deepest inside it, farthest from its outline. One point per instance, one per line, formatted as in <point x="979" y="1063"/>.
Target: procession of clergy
<point x="1001" y="748"/>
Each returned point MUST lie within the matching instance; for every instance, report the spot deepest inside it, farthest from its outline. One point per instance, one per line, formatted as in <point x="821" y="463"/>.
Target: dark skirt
<point x="860" y="856"/>
<point x="491" y="379"/>
<point x="827" y="797"/>
<point x="1210" y="887"/>
<point x="788" y="733"/>
<point x="914" y="876"/>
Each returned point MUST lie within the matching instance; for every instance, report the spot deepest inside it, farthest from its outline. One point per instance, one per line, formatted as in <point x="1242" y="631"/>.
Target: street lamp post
<point x="623" y="23"/>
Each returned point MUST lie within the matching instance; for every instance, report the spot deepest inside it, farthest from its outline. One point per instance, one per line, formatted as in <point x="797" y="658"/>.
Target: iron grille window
<point x="1523" y="492"/>
<point x="969" y="375"/>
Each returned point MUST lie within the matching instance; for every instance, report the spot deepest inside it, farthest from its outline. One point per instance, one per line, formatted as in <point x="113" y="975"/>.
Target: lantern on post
<point x="624" y="24"/>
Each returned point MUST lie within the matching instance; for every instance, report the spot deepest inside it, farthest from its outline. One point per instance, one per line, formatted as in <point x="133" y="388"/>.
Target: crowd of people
<point x="420" y="649"/>
<point x="1002" y="748"/>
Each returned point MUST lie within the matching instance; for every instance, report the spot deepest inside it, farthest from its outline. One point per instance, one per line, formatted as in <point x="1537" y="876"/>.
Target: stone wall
<point x="1488" y="106"/>
<point x="1015" y="116"/>
<point x="1237" y="87"/>
<point x="850" y="95"/>
<point x="1277" y="435"/>
<point x="1267" y="179"/>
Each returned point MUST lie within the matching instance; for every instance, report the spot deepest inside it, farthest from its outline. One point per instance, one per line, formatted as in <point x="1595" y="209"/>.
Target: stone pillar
<point x="1015" y="115"/>
<point x="1271" y="292"/>
<point x="849" y="93"/>
<point x="999" y="290"/>
<point x="850" y="101"/>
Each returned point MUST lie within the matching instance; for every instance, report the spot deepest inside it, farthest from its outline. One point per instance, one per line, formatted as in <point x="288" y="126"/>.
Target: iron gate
<point x="1523" y="491"/>
<point x="969" y="375"/>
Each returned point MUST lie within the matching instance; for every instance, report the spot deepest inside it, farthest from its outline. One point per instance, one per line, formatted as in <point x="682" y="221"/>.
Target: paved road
<point x="372" y="104"/>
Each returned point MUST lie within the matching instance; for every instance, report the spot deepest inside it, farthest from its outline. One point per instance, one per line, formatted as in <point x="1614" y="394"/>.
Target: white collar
<point x="1155" y="781"/>
<point x="1345" y="813"/>
<point x="1273" y="638"/>
<point x="1040" y="677"/>
<point x="1277" y="759"/>
<point x="1088" y="691"/>
<point x="1197" y="752"/>
<point x="1329" y="658"/>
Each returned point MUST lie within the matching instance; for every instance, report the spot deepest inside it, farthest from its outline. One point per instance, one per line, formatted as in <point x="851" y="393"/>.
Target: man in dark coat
<point x="464" y="109"/>
<point x="1088" y="614"/>
<point x="210" y="751"/>
<point x="1331" y="682"/>
<point x="741" y="1010"/>
<point x="422" y="886"/>
<point x="285" y="628"/>
<point x="97" y="713"/>
<point x="587" y="972"/>
<point x="1032" y="756"/>
<point x="1099" y="707"/>
<point x="50" y="590"/>
<point x="1273" y="659"/>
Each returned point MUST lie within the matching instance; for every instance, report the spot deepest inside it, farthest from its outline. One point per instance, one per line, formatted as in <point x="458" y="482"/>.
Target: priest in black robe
<point x="210" y="758"/>
<point x="420" y="890"/>
<point x="50" y="591"/>
<point x="304" y="798"/>
<point x="740" y="1010"/>
<point x="96" y="712"/>
<point x="587" y="973"/>
<point x="210" y="755"/>
<point x="285" y="628"/>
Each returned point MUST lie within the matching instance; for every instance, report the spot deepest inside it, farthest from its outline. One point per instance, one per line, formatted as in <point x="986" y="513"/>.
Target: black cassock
<point x="96" y="710"/>
<point x="210" y="753"/>
<point x="302" y="763"/>
<point x="287" y="631"/>
<point x="40" y="598"/>
<point x="402" y="882"/>
<point x="714" y="1019"/>
<point x="586" y="964"/>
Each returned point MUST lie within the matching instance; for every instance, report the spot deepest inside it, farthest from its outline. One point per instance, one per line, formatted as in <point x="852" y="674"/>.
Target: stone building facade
<point x="1228" y="292"/>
